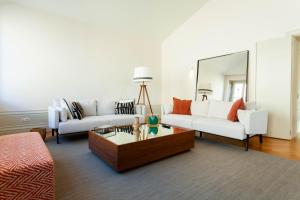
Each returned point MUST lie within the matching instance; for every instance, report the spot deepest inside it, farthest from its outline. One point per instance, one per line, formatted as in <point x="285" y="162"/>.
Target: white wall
<point x="218" y="28"/>
<point x="45" y="56"/>
<point x="274" y="81"/>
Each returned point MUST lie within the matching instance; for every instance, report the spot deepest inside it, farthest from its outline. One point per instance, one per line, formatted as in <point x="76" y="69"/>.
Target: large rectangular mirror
<point x="222" y="77"/>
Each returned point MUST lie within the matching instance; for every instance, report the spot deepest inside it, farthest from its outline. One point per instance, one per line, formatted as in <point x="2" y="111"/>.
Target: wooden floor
<point x="289" y="149"/>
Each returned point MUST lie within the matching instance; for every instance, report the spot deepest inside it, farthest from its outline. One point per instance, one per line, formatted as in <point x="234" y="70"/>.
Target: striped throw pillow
<point x="77" y="110"/>
<point x="122" y="108"/>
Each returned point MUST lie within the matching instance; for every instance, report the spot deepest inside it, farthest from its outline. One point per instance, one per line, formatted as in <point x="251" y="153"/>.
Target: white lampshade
<point x="204" y="88"/>
<point x="142" y="74"/>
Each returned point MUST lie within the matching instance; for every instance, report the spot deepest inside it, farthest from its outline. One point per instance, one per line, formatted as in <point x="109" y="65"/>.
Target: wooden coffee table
<point x="124" y="151"/>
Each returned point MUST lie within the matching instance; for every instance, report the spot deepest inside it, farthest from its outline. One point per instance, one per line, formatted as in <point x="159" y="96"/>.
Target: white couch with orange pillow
<point x="211" y="117"/>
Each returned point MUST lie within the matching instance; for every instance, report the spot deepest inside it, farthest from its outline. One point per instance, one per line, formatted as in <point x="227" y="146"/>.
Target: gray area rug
<point x="209" y="171"/>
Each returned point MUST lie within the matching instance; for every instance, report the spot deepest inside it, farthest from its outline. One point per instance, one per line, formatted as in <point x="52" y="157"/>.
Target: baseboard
<point x="277" y="138"/>
<point x="20" y="129"/>
<point x="22" y="121"/>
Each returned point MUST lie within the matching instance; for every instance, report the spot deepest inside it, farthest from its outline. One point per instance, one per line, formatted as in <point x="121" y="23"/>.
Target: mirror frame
<point x="247" y="70"/>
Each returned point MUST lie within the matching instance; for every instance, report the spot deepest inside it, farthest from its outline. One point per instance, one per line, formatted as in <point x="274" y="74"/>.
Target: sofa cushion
<point x="219" y="109"/>
<point x="105" y="107"/>
<point x="219" y="126"/>
<point x="90" y="122"/>
<point x="200" y="108"/>
<point x="167" y="109"/>
<point x="89" y="107"/>
<point x="68" y="106"/>
<point x="184" y="121"/>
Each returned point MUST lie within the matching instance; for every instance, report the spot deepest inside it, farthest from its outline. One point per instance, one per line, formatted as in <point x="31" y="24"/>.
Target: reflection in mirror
<point x="222" y="77"/>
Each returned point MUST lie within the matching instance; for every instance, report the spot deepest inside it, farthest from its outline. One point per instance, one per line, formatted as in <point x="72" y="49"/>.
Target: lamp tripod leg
<point x="144" y="87"/>
<point x="140" y="94"/>
<point x="149" y="101"/>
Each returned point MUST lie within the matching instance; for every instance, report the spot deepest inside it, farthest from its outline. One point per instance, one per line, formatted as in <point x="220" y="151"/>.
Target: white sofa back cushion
<point x="167" y="109"/>
<point x="200" y="108"/>
<point x="219" y="109"/>
<point x="89" y="107"/>
<point x="105" y="107"/>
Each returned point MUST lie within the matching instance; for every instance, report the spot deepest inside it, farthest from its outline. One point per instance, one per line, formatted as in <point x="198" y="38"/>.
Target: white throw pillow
<point x="200" y="108"/>
<point x="89" y="107"/>
<point x="168" y="109"/>
<point x="67" y="105"/>
<point x="219" y="109"/>
<point x="105" y="107"/>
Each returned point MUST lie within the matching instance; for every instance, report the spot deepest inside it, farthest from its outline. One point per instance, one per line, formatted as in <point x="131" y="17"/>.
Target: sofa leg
<point x="260" y="139"/>
<point x="52" y="132"/>
<point x="247" y="143"/>
<point x="57" y="137"/>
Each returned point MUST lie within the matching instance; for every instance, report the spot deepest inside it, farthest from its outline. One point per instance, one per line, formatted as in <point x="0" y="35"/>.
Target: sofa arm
<point x="143" y="108"/>
<point x="255" y="122"/>
<point x="140" y="109"/>
<point x="53" y="117"/>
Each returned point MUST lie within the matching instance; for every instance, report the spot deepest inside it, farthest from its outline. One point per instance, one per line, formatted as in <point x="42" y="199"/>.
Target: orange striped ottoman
<point x="26" y="167"/>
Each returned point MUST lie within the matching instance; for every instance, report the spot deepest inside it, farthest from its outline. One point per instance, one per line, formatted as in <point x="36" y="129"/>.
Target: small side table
<point x="41" y="131"/>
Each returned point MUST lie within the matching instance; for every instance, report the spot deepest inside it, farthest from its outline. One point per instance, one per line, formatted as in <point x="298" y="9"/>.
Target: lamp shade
<point x="142" y="74"/>
<point x="205" y="88"/>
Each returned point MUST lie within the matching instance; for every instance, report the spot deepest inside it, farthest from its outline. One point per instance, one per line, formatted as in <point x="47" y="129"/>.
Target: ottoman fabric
<point x="26" y="167"/>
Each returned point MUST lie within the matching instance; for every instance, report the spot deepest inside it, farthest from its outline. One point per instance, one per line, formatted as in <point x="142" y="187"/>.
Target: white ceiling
<point x="146" y="18"/>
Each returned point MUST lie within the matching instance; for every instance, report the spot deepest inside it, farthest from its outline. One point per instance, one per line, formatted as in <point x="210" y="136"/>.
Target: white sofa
<point x="98" y="113"/>
<point x="211" y="117"/>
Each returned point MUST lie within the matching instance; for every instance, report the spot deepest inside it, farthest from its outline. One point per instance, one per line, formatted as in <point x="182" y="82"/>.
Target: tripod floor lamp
<point x="142" y="75"/>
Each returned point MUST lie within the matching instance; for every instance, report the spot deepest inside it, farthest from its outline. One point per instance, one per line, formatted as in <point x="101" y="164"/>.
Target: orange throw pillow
<point x="238" y="104"/>
<point x="182" y="107"/>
